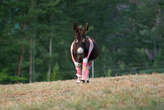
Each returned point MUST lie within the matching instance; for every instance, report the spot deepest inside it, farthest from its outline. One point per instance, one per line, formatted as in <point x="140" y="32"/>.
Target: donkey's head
<point x="80" y="32"/>
<point x="80" y="39"/>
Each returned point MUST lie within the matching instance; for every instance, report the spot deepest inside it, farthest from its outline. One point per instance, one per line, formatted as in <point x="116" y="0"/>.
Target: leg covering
<point x="78" y="71"/>
<point x="87" y="70"/>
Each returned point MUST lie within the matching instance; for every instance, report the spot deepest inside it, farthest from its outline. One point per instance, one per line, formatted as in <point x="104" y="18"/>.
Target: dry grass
<point x="132" y="92"/>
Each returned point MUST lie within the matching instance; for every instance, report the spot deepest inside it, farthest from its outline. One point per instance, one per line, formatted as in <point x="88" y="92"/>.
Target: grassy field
<point x="131" y="92"/>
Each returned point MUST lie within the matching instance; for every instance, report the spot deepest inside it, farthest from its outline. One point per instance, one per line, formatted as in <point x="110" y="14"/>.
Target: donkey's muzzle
<point x="80" y="50"/>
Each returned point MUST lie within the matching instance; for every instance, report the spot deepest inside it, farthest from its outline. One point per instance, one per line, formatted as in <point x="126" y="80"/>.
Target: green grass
<point x="131" y="92"/>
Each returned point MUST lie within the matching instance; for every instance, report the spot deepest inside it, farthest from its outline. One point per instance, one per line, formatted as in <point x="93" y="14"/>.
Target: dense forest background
<point x="35" y="37"/>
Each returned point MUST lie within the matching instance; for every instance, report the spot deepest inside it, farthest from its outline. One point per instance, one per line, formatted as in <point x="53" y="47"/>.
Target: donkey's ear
<point x="86" y="27"/>
<point x="75" y="26"/>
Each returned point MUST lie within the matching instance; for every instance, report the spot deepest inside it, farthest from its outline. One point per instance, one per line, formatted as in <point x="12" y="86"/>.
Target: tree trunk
<point x="20" y="61"/>
<point x="32" y="41"/>
<point x="50" y="55"/>
<point x="21" y="57"/>
<point x="30" y="68"/>
<point x="152" y="53"/>
<point x="33" y="59"/>
<point x="50" y="47"/>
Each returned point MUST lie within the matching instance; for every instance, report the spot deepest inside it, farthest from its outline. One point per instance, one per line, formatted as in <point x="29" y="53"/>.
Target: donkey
<point x="83" y="51"/>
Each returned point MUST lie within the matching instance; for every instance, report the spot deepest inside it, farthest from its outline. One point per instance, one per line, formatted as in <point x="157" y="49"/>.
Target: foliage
<point x="5" y="78"/>
<point x="55" y="73"/>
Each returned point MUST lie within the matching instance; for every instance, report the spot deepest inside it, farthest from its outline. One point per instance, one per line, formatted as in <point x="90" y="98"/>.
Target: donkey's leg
<point x="84" y="68"/>
<point x="78" y="71"/>
<point x="88" y="71"/>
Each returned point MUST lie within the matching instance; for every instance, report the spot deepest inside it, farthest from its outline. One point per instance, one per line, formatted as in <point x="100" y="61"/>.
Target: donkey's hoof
<point x="78" y="81"/>
<point x="85" y="81"/>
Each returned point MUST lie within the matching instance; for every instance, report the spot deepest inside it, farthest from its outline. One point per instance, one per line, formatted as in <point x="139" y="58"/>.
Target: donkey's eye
<point x="76" y="41"/>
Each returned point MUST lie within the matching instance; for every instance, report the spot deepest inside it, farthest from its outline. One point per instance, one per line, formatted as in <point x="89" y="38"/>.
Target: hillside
<point x="131" y="92"/>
